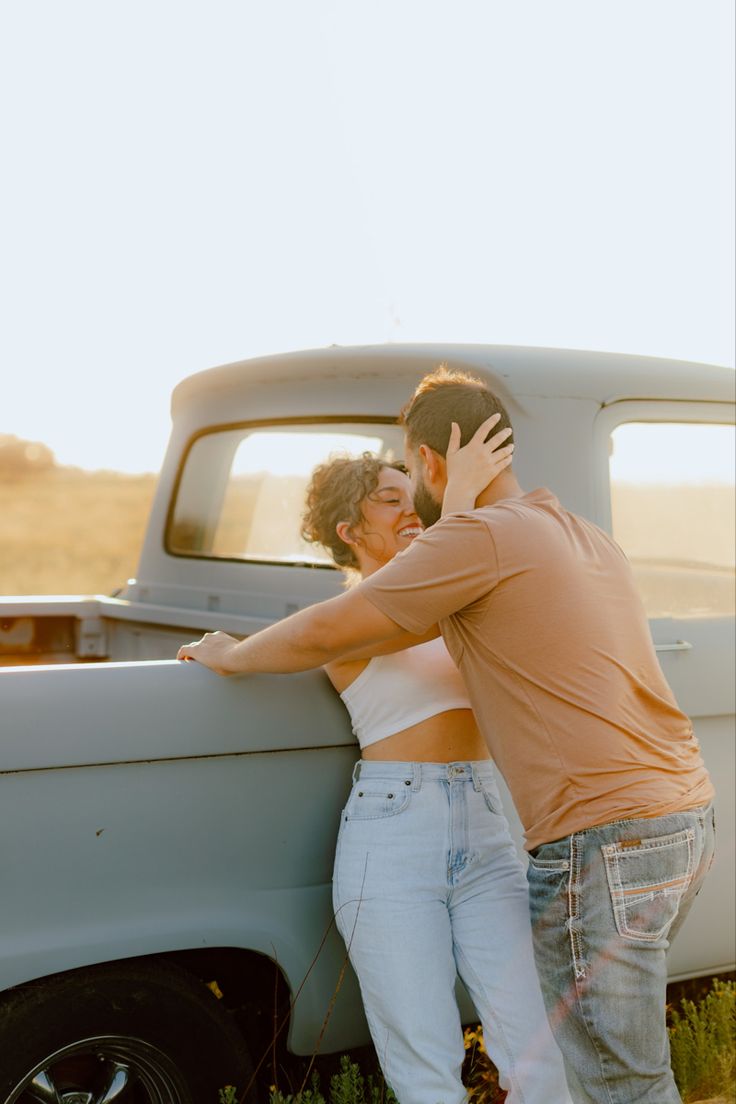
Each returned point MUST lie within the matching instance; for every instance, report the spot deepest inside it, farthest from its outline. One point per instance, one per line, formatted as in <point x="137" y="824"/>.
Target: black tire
<point x="83" y="1029"/>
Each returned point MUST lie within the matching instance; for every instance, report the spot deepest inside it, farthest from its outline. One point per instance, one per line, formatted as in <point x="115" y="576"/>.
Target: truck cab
<point x="170" y="834"/>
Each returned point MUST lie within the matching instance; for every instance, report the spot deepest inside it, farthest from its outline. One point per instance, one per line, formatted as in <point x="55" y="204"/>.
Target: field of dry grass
<point x="71" y="532"/>
<point x="680" y="542"/>
<point x="66" y="531"/>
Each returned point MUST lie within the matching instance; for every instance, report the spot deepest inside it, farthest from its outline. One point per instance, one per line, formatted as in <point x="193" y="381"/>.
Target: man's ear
<point x="345" y="532"/>
<point x="435" y="466"/>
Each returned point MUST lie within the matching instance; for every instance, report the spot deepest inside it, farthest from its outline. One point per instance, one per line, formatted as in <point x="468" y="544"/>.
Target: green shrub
<point x="702" y="1047"/>
<point x="348" y="1086"/>
<point x="305" y="1096"/>
<point x="703" y="1044"/>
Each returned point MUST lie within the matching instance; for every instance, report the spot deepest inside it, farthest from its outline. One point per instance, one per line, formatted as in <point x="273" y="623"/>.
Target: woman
<point x="427" y="882"/>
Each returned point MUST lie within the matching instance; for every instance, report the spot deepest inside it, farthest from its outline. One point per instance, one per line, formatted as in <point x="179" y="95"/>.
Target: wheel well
<point x="251" y="987"/>
<point x="144" y="1019"/>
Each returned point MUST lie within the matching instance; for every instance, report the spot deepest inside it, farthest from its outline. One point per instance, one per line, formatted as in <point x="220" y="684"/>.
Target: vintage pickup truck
<point x="163" y="830"/>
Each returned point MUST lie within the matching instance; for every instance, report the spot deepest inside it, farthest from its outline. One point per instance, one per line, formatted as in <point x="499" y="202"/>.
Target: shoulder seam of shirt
<point x="471" y="515"/>
<point x="492" y="539"/>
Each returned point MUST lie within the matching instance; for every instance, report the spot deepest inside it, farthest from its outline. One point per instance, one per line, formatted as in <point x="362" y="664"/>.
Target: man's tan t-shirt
<point x="539" y="610"/>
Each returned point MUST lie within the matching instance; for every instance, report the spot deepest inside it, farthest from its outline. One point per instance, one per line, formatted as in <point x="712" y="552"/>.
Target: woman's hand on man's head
<point x="471" y="468"/>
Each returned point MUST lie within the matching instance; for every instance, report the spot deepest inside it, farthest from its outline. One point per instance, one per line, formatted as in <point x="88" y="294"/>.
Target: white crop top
<point x="397" y="691"/>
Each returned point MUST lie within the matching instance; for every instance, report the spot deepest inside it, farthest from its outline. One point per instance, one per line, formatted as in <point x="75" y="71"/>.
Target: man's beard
<point x="427" y="509"/>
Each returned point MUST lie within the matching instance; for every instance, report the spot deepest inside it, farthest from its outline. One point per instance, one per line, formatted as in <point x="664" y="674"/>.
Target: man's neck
<point x="504" y="485"/>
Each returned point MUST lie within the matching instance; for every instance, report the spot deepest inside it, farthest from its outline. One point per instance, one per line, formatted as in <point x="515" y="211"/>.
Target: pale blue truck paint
<point x="148" y="806"/>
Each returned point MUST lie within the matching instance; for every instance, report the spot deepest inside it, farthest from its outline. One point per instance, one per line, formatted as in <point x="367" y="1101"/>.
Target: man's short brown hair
<point x="443" y="397"/>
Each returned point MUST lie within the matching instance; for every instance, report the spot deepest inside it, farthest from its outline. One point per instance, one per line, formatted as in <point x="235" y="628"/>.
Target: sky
<point x="187" y="184"/>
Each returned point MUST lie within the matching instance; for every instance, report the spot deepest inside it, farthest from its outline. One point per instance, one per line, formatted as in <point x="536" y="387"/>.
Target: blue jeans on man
<point x="605" y="904"/>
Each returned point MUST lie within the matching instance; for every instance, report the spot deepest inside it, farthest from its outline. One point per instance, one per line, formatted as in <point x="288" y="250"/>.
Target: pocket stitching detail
<point x="560" y="865"/>
<point x="398" y="805"/>
<point x="620" y="894"/>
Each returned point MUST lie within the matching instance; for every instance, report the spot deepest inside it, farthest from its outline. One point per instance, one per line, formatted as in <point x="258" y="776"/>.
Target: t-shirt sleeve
<point x="449" y="567"/>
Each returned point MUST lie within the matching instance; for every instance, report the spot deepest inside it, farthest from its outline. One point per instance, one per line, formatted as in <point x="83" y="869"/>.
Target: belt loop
<point x="416" y="777"/>
<point x="477" y="781"/>
<point x="356" y="771"/>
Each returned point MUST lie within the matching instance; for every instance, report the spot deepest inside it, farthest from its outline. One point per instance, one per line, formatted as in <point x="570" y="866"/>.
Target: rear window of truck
<point x="241" y="490"/>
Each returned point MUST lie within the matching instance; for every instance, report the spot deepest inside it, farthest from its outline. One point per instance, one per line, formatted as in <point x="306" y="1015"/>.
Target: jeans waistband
<point x="478" y="772"/>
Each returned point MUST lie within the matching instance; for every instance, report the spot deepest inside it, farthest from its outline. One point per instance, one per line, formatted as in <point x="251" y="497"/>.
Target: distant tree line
<point x="19" y="458"/>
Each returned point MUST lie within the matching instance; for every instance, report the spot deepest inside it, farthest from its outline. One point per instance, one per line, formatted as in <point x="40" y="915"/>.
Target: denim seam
<point x="594" y="1040"/>
<point x="338" y="896"/>
<point x="338" y="849"/>
<point x="656" y="843"/>
<point x="573" y="908"/>
<point x="382" y="1030"/>
<point x="554" y="866"/>
<point x="499" y="1032"/>
<point x="490" y="802"/>
<point x="401" y="806"/>
<point x="616" y="889"/>
<point x="576" y="944"/>
<point x="382" y="1052"/>
<point x="479" y="782"/>
<point x="457" y="858"/>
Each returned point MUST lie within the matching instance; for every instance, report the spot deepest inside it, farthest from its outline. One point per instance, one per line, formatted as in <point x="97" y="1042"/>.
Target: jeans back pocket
<point x="647" y="879"/>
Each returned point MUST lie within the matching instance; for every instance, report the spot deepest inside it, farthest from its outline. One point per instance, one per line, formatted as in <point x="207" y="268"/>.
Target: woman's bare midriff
<point x="450" y="737"/>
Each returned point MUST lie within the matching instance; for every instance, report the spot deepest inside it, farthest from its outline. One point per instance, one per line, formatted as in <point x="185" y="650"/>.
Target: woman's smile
<point x="389" y="521"/>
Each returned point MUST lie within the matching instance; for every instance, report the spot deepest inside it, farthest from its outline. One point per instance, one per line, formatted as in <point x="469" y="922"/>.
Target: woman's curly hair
<point x="334" y="494"/>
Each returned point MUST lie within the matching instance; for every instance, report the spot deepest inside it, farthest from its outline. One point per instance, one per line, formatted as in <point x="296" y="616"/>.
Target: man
<point x="539" y="610"/>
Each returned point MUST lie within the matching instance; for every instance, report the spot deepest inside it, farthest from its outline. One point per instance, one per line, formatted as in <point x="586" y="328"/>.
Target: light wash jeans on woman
<point x="605" y="905"/>
<point x="428" y="885"/>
